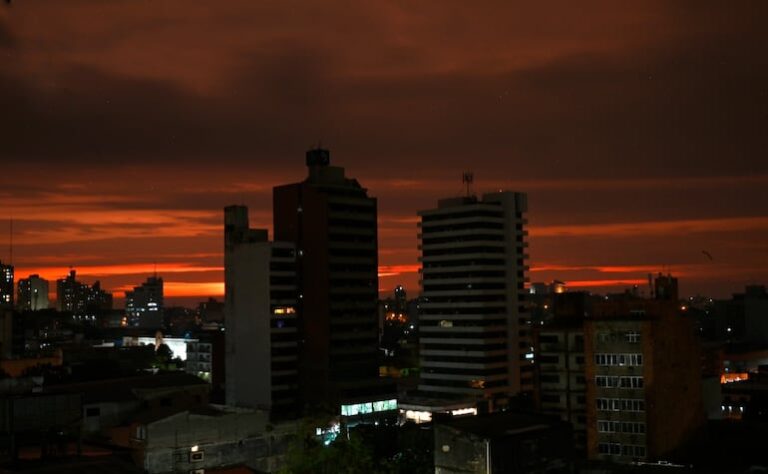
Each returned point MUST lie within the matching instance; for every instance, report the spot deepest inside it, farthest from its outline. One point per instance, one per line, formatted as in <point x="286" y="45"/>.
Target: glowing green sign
<point x="369" y="407"/>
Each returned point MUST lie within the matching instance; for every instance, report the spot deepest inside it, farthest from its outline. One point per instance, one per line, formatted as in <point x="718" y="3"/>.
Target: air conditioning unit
<point x="197" y="471"/>
<point x="196" y="456"/>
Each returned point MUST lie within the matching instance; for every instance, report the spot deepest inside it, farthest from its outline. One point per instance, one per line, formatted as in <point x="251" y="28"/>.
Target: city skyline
<point x="636" y="133"/>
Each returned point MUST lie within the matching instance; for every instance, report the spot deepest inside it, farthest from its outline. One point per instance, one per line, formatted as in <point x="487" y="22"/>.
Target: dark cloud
<point x="127" y="107"/>
<point x="676" y="110"/>
<point x="7" y="41"/>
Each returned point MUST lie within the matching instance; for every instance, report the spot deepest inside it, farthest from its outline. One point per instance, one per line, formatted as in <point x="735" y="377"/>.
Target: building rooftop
<point x="122" y="389"/>
<point x="502" y="424"/>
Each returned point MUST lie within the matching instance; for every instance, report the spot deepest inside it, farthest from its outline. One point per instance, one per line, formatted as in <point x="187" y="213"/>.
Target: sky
<point x="639" y="130"/>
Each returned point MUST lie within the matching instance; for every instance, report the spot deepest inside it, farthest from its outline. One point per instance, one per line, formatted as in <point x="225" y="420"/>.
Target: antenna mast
<point x="10" y="245"/>
<point x="468" y="178"/>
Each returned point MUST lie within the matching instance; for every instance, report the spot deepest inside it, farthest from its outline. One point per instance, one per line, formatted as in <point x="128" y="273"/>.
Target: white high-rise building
<point x="474" y="329"/>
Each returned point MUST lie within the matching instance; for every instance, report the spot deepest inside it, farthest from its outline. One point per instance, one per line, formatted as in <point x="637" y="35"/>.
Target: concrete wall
<point x="109" y="414"/>
<point x="235" y="438"/>
<point x="248" y="348"/>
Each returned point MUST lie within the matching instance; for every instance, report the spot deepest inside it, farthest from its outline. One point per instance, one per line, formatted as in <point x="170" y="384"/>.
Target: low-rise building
<point x="503" y="443"/>
<point x="113" y="402"/>
<point x="643" y="372"/>
<point x="201" y="439"/>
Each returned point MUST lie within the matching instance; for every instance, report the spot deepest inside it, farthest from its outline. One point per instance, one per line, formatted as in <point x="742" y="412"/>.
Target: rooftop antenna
<point x="10" y="245"/>
<point x="467" y="178"/>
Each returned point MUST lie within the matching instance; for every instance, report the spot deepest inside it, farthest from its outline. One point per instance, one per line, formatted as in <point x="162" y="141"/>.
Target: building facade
<point x="144" y="304"/>
<point x="562" y="389"/>
<point x="79" y="298"/>
<point x="33" y="294"/>
<point x="643" y="367"/>
<point x="474" y="328"/>
<point x="331" y="220"/>
<point x="261" y="317"/>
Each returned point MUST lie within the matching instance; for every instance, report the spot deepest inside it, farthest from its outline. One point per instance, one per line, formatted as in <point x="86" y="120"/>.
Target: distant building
<point x="332" y="222"/>
<point x="206" y="359"/>
<point x="33" y="294"/>
<point x="200" y="359"/>
<point x="743" y="318"/>
<point x="144" y="305"/>
<point x="746" y="399"/>
<point x="80" y="298"/>
<point x="6" y="286"/>
<point x="211" y="311"/>
<point x="540" y="288"/>
<point x="261" y="317"/>
<point x="665" y="288"/>
<point x="401" y="300"/>
<point x="177" y="345"/>
<point x="643" y="371"/>
<point x="474" y="327"/>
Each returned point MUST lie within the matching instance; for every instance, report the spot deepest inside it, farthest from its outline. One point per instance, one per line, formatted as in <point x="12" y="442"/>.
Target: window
<point x="550" y="398"/>
<point x="606" y="381"/>
<point x="632" y="404"/>
<point x="632" y="427"/>
<point x="632" y="337"/>
<point x="633" y="451"/>
<point x="619" y="359"/>
<point x="608" y="404"/>
<point x="631" y="382"/>
<point x="609" y="448"/>
<point x="606" y="426"/>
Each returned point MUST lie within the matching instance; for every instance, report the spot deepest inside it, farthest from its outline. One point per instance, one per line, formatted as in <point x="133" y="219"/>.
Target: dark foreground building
<point x="331" y="220"/>
<point x="503" y="443"/>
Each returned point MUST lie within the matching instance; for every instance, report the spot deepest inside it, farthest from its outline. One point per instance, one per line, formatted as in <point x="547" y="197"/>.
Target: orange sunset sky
<point x="638" y="129"/>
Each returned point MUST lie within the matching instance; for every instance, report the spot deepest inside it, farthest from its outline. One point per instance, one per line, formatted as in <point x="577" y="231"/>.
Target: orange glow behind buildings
<point x="119" y="152"/>
<point x="734" y="377"/>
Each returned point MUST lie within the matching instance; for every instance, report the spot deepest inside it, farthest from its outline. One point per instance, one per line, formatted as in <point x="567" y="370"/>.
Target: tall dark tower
<point x="332" y="221"/>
